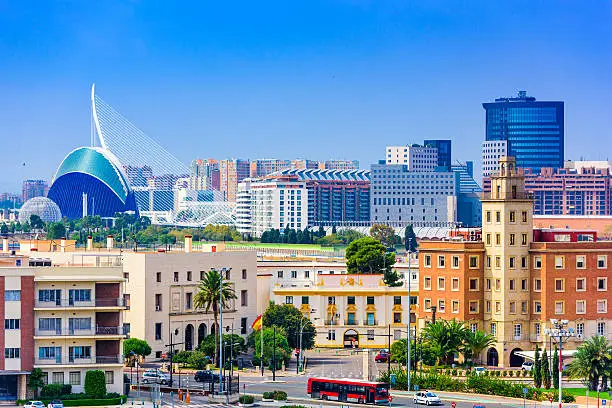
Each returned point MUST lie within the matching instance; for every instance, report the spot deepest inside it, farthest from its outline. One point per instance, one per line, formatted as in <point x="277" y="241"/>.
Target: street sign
<point x="416" y="387"/>
<point x="391" y="398"/>
<point x="525" y="391"/>
<point x="392" y="379"/>
<point x="453" y="404"/>
<point x="550" y="399"/>
<point x="604" y="402"/>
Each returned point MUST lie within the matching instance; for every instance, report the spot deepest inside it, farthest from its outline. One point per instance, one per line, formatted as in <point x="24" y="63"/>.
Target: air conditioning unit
<point x="157" y="308"/>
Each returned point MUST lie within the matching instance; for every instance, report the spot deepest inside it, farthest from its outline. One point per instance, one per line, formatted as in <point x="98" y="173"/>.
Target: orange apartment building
<point x="516" y="279"/>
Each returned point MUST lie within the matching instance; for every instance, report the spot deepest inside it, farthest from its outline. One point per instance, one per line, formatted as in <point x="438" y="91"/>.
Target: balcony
<point x="351" y="323"/>
<point x="331" y="323"/>
<point x="75" y="361"/>
<point x="70" y="303"/>
<point x="94" y="331"/>
<point x="370" y="323"/>
<point x="536" y="338"/>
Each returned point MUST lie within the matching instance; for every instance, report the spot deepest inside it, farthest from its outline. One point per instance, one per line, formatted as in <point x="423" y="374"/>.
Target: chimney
<point x="89" y="243"/>
<point x="63" y="244"/>
<point x="5" y="245"/>
<point x="110" y="241"/>
<point x="188" y="243"/>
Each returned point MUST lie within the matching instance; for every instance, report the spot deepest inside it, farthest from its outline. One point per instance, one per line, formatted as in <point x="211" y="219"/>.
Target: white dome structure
<point x="44" y="207"/>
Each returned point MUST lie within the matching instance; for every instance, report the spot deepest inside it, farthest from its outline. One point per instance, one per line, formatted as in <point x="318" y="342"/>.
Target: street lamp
<point x="560" y="331"/>
<point x="221" y="272"/>
<point x="409" y="314"/>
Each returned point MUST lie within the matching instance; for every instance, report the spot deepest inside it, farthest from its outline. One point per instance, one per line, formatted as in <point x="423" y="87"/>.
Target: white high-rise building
<point x="243" y="207"/>
<point x="278" y="204"/>
<point x="492" y="151"/>
<point x="417" y="158"/>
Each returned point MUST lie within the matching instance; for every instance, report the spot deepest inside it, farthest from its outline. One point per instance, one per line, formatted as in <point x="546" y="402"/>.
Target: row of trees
<point x="308" y="236"/>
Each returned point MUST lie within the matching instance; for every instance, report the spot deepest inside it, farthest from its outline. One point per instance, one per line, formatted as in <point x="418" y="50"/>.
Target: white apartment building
<point x="492" y="151"/>
<point x="243" y="207"/>
<point x="278" y="204"/>
<point x="417" y="158"/>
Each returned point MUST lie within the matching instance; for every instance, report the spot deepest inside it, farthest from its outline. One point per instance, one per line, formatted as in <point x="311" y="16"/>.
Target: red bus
<point x="348" y="390"/>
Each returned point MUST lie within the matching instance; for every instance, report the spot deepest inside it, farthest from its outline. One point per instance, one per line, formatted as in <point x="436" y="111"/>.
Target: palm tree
<point x="592" y="360"/>
<point x="475" y="342"/>
<point x="445" y="339"/>
<point x="211" y="293"/>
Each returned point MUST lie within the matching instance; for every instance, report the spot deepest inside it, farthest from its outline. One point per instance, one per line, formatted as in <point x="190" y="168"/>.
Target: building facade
<point x="444" y="151"/>
<point x="417" y="158"/>
<point x="339" y="165"/>
<point x="232" y="172"/>
<point x="204" y="174"/>
<point x="492" y="151"/>
<point x="33" y="188"/>
<point x="534" y="130"/>
<point x="263" y="167"/>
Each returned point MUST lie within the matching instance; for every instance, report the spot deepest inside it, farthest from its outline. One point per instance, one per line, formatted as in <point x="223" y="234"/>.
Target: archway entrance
<point x="515" y="359"/>
<point x="189" y="337"/>
<point x="492" y="357"/>
<point x="201" y="333"/>
<point x="351" y="339"/>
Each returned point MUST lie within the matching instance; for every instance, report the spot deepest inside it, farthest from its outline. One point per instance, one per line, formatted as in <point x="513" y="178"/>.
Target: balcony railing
<point x="67" y="331"/>
<point x="370" y="323"/>
<point x="114" y="359"/>
<point x="351" y="323"/>
<point x="109" y="359"/>
<point x="331" y="322"/>
<point x="104" y="302"/>
<point x="536" y="337"/>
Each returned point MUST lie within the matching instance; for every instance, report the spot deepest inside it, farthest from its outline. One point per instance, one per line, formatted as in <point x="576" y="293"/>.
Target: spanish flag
<point x="257" y="323"/>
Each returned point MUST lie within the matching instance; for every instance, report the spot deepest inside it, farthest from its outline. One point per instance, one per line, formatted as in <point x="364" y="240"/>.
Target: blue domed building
<point x="91" y="181"/>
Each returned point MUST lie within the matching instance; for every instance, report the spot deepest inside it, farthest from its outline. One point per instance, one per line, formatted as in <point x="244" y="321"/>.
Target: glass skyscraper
<point x="533" y="130"/>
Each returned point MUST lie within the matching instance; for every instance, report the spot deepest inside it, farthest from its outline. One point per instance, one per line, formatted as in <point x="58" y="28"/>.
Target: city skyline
<point x="330" y="75"/>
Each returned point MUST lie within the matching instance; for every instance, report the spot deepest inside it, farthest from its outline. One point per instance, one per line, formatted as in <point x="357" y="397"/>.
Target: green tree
<point x="281" y="353"/>
<point x="384" y="234"/>
<point x="592" y="361"/>
<point x="4" y="229"/>
<point x="36" y="381"/>
<point x="398" y="351"/>
<point x="136" y="346"/>
<point x="410" y="239"/>
<point x="213" y="294"/>
<point x="545" y="371"/>
<point x="56" y="230"/>
<point x="95" y="384"/>
<point x="290" y="319"/>
<point x="36" y="222"/>
<point x="198" y="360"/>
<point x="555" y="369"/>
<point x="475" y="343"/>
<point x="445" y="337"/>
<point x="367" y="255"/>
<point x="537" y="369"/>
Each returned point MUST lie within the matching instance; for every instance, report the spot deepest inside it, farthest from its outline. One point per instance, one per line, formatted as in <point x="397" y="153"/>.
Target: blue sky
<point x="316" y="79"/>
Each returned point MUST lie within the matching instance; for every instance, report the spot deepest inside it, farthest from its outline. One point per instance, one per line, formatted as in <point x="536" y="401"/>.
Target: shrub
<point x="51" y="391"/>
<point x="280" y="396"/>
<point x="293" y="406"/>
<point x="268" y="395"/>
<point x="246" y="399"/>
<point x="95" y="384"/>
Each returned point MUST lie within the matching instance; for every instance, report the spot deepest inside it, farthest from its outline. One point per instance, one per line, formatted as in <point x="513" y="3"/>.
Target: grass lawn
<point x="581" y="392"/>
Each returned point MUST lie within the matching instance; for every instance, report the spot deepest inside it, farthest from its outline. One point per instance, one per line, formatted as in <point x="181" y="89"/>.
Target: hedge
<point x="275" y="395"/>
<point x="246" y="399"/>
<point x="85" y="402"/>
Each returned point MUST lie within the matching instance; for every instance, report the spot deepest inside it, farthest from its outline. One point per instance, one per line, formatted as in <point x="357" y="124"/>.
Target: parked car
<point x="478" y="406"/>
<point x="479" y="370"/>
<point x="56" y="404"/>
<point x="204" y="375"/>
<point x="382" y="357"/>
<point x="155" y="377"/>
<point x="527" y="366"/>
<point x="427" y="398"/>
<point x="34" y="404"/>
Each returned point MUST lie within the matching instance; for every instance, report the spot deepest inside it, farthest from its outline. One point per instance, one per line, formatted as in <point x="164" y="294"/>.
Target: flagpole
<point x="261" y="357"/>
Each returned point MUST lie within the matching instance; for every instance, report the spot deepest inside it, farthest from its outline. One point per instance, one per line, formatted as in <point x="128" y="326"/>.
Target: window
<point x="601" y="328"/>
<point x="244" y="273"/>
<point x="497" y="307"/>
<point x="79" y="295"/>
<point x="11" y="324"/>
<point x="243" y="325"/>
<point x="488" y="284"/>
<point x="512" y="239"/>
<point x="370" y="300"/>
<point x="518" y="331"/>
<point x="397" y="317"/>
<point x="473" y="284"/>
<point x="488" y="306"/>
<point x="455" y="262"/>
<point x="12" y="352"/>
<point x="512" y="262"/>
<point x="50" y="295"/>
<point x="512" y="284"/>
<point x="306" y="274"/>
<point x="537" y="285"/>
<point x="397" y="300"/>
<point x="12" y="295"/>
<point x="279" y="274"/>
<point x="559" y="307"/>
<point x="370" y="335"/>
<point x="497" y="217"/>
<point x="524" y="216"/>
<point x="79" y="324"/>
<point x="512" y="307"/>
<point x="497" y="239"/>
<point x="331" y="335"/>
<point x="559" y="285"/>
<point x="427" y="304"/>
<point x="473" y="306"/>
<point x="498" y="261"/>
<point x="74" y="377"/>
<point x="537" y="262"/>
<point x="158" y="354"/>
<point x="579" y="329"/>
<point x="244" y="298"/>
<point x="473" y="262"/>
<point x="227" y="274"/>
<point x="524" y="285"/>
<point x="305" y="300"/>
<point x="488" y="239"/>
<point x="50" y="353"/>
<point x="158" y="276"/>
<point x="559" y="262"/>
<point x="45" y="378"/>
<point x="512" y="216"/>
<point x="524" y="307"/>
<point x="580" y="262"/>
<point x="494" y="328"/>
<point x="158" y="302"/>
<point x="427" y="283"/>
<point x="441" y="306"/>
<point x="58" y="378"/>
<point x="202" y="273"/>
<point x="52" y="324"/>
<point x="602" y="284"/>
<point x="455" y="284"/>
<point x="441" y="284"/>
<point x="110" y="377"/>
<point x="188" y="300"/>
<point x="498" y="284"/>
<point x="441" y="261"/>
<point x="176" y="276"/>
<point x="580" y="284"/>
<point x="288" y="300"/>
<point x="189" y="277"/>
<point x="455" y="306"/>
<point x="524" y="262"/>
<point x="523" y="239"/>
<point x="473" y="327"/>
<point x="158" y="331"/>
<point x="488" y="217"/>
<point x="602" y="306"/>
<point x="427" y="261"/>
<point x="293" y="274"/>
<point x="331" y="300"/>
<point x="602" y="261"/>
<point x="580" y="306"/>
<point x="350" y="300"/>
<point x="79" y="353"/>
<point x="488" y="261"/>
<point x="537" y="307"/>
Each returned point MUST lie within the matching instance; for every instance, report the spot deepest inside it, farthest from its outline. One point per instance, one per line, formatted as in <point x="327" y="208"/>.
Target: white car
<point x="479" y="370"/>
<point x="155" y="377"/>
<point x="527" y="366"/>
<point x="34" y="404"/>
<point x="427" y="398"/>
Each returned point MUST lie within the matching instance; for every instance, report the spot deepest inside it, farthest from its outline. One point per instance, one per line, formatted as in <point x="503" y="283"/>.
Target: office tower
<point x="204" y="174"/>
<point x="533" y="130"/>
<point x="444" y="152"/>
<point x="263" y="167"/>
<point x="469" y="208"/>
<point x="339" y="165"/>
<point x="416" y="157"/>
<point x="232" y="172"/>
<point x="305" y="164"/>
<point x="33" y="188"/>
